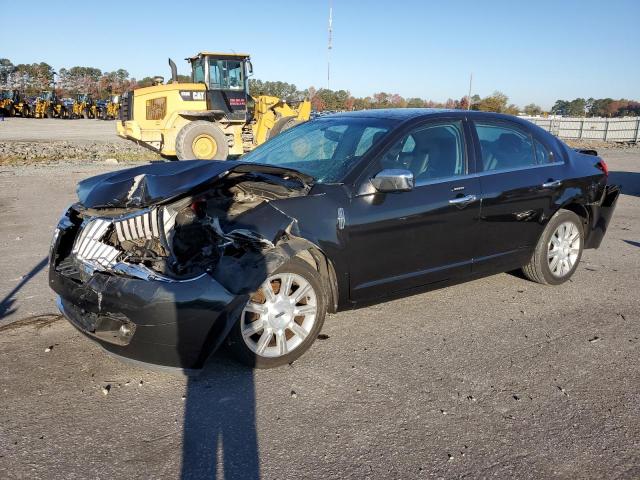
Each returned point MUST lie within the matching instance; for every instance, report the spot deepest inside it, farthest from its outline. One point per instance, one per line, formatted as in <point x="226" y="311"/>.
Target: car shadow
<point x="628" y="181"/>
<point x="7" y="303"/>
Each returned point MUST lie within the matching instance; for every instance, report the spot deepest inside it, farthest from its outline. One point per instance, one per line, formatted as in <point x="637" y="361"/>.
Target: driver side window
<point x="429" y="152"/>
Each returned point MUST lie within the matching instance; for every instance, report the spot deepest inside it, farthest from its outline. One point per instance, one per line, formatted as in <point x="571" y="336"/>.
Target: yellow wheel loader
<point x="84" y="106"/>
<point x="45" y="105"/>
<point x="210" y="118"/>
<point x="108" y="109"/>
<point x="7" y="108"/>
<point x="21" y="105"/>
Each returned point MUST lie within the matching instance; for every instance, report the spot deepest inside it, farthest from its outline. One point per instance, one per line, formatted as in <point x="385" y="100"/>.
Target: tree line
<point x="33" y="78"/>
<point x="600" y="107"/>
<point x="36" y="77"/>
<point x="324" y="99"/>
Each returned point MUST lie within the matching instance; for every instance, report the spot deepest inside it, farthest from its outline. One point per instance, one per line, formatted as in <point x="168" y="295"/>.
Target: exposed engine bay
<point x="231" y="218"/>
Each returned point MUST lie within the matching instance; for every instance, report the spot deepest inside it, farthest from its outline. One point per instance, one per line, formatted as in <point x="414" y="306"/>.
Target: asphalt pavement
<point x="499" y="377"/>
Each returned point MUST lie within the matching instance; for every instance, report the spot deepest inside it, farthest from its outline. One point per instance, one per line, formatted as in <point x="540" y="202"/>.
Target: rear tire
<point x="201" y="140"/>
<point x="289" y="325"/>
<point x="559" y="250"/>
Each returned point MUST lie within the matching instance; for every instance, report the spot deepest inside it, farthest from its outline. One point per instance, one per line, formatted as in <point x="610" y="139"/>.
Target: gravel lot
<point x="24" y="141"/>
<point x="497" y="377"/>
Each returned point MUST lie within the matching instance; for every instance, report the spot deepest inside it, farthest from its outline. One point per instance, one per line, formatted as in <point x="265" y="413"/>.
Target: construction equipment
<point x="6" y="103"/>
<point x="21" y="105"/>
<point x="108" y="109"/>
<point x="209" y="118"/>
<point x="84" y="106"/>
<point x="43" y="106"/>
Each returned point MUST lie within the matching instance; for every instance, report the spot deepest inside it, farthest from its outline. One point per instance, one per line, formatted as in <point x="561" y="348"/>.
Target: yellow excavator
<point x="209" y="118"/>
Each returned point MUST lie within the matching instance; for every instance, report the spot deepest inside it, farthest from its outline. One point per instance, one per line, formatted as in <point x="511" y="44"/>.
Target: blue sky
<point x="534" y="51"/>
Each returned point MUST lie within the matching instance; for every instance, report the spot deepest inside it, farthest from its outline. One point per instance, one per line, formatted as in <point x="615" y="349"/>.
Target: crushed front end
<point x="164" y="283"/>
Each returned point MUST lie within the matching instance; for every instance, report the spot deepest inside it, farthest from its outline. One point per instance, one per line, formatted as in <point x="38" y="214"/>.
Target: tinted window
<point x="543" y="154"/>
<point x="430" y="152"/>
<point x="504" y="147"/>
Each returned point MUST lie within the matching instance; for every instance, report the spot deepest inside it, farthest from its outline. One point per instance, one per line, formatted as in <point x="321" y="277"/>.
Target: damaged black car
<point x="162" y="263"/>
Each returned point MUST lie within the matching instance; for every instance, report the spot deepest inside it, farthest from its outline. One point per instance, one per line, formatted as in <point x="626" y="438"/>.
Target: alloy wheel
<point x="563" y="249"/>
<point x="280" y="315"/>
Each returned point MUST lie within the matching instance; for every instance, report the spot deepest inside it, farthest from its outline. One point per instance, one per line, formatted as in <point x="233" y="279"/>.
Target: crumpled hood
<point x="146" y="185"/>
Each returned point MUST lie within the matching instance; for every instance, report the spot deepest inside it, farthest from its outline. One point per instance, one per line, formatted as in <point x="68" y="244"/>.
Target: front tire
<point x="281" y="319"/>
<point x="559" y="250"/>
<point x="201" y="140"/>
<point x="282" y="124"/>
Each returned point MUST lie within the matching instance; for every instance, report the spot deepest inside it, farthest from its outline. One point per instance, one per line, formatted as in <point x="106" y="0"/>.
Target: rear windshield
<point x="325" y="149"/>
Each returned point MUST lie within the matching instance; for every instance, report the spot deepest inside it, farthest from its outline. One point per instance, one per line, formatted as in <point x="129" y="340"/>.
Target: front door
<point x="403" y="240"/>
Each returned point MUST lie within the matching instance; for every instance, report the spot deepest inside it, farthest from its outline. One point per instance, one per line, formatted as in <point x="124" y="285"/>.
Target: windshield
<point x="226" y="74"/>
<point x="6" y="94"/>
<point x="325" y="148"/>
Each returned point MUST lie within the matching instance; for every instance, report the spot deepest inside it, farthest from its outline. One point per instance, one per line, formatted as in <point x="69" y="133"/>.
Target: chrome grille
<point x="139" y="226"/>
<point x="89" y="248"/>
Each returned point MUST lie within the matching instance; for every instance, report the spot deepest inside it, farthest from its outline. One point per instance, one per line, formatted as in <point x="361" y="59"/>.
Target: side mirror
<point x="393" y="180"/>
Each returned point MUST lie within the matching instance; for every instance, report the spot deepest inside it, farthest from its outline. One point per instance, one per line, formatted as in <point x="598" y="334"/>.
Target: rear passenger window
<point x="543" y="154"/>
<point x="504" y="147"/>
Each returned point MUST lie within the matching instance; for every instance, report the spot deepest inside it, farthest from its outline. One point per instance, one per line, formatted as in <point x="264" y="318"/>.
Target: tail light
<point x="602" y="165"/>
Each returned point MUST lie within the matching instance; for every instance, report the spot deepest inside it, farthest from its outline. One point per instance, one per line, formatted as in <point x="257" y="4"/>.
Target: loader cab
<point x="47" y="96"/>
<point x="84" y="98"/>
<point x="226" y="77"/>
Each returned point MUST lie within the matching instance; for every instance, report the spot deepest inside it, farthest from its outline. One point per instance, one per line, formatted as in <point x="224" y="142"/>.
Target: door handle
<point x="463" y="201"/>
<point x="552" y="184"/>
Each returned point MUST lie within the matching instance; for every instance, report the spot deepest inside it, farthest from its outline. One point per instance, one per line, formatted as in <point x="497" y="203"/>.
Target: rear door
<point x="407" y="239"/>
<point x="518" y="178"/>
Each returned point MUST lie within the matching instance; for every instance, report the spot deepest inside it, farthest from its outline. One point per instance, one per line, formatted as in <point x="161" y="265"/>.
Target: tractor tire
<point x="282" y="124"/>
<point x="201" y="140"/>
<point x="12" y="111"/>
<point x="48" y="113"/>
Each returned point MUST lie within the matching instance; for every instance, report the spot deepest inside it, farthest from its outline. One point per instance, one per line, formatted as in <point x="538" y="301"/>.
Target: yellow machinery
<point x="109" y="109"/>
<point x="21" y="105"/>
<point x="113" y="107"/>
<point x="7" y="108"/>
<point x="84" y="107"/>
<point x="210" y="118"/>
<point x="43" y="106"/>
<point x="48" y="105"/>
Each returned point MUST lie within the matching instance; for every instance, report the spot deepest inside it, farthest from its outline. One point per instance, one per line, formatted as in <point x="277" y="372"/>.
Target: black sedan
<point x="162" y="263"/>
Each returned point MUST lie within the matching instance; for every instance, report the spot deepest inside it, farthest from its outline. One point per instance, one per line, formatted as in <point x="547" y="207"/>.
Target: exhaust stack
<point x="174" y="71"/>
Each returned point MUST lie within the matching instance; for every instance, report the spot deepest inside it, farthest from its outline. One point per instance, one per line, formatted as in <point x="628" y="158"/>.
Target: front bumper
<point x="129" y="129"/>
<point x="175" y="324"/>
<point x="170" y="323"/>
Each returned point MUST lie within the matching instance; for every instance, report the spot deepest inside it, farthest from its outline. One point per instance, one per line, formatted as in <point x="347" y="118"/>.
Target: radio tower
<point x="329" y="45"/>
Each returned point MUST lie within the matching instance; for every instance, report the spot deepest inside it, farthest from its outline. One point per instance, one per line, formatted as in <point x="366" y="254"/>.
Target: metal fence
<point x="604" y="129"/>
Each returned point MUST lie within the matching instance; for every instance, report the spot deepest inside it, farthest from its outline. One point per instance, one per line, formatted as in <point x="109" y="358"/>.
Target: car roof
<point x="403" y="114"/>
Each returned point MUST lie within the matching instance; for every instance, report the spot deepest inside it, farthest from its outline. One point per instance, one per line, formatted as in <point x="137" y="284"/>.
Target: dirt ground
<point x="498" y="377"/>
